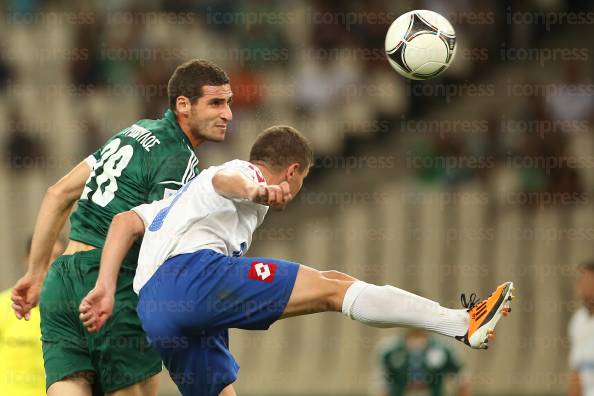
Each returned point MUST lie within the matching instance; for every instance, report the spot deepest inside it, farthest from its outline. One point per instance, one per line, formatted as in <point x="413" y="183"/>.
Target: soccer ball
<point x="420" y="44"/>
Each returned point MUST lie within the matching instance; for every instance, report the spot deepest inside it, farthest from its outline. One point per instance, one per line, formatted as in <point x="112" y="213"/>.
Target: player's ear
<point x="183" y="105"/>
<point x="292" y="169"/>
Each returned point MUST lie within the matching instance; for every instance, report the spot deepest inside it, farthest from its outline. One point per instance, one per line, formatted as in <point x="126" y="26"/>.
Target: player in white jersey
<point x="194" y="284"/>
<point x="581" y="336"/>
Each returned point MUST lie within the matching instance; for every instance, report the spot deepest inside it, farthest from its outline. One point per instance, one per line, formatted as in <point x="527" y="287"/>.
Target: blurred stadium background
<point x="446" y="186"/>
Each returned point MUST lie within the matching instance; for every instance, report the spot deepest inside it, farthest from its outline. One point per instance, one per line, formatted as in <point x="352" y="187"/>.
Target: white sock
<point x="388" y="306"/>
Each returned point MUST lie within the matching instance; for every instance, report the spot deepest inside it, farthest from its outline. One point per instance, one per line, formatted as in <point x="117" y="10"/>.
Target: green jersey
<point x="145" y="162"/>
<point x="420" y="371"/>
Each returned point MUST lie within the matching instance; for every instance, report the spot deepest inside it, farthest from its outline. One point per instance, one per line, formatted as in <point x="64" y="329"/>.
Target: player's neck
<point x="270" y="175"/>
<point x="194" y="141"/>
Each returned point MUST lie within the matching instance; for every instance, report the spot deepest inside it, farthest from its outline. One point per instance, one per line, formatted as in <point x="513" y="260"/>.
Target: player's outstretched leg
<point x="388" y="306"/>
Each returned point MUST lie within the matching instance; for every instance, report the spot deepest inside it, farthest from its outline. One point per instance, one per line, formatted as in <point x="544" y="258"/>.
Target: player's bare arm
<point x="126" y="227"/>
<point x="233" y="184"/>
<point x="97" y="306"/>
<point x="57" y="204"/>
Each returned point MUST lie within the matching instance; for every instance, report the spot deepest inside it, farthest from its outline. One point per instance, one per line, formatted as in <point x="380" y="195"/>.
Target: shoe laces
<point x="470" y="303"/>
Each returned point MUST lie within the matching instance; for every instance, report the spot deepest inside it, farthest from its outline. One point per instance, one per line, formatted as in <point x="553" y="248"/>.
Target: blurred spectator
<point x="150" y="80"/>
<point x="573" y="102"/>
<point x="5" y="71"/>
<point x="418" y="365"/>
<point x="21" y="9"/>
<point x="328" y="30"/>
<point x="265" y="45"/>
<point x="248" y="88"/>
<point x="86" y="70"/>
<point x="91" y="136"/>
<point x="21" y="151"/>
<point x="21" y="359"/>
<point x="320" y="85"/>
<point x="581" y="336"/>
<point x="443" y="159"/>
<point x="544" y="163"/>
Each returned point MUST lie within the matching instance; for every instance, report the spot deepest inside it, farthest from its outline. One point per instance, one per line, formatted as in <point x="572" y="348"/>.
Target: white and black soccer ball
<point x="420" y="44"/>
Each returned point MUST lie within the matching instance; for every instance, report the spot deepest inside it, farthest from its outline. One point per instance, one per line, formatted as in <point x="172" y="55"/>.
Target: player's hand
<point x="25" y="295"/>
<point x="96" y="308"/>
<point x="275" y="196"/>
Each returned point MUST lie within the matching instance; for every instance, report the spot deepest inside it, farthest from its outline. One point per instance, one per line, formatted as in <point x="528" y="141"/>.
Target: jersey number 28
<point x="114" y="160"/>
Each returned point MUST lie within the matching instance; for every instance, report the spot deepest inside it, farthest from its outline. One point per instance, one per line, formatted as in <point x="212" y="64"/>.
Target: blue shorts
<point x="188" y="305"/>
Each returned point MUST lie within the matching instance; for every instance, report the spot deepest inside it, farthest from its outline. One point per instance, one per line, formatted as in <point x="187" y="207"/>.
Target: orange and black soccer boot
<point x="485" y="314"/>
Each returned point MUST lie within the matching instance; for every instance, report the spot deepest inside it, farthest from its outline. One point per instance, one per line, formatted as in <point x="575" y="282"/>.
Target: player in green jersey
<point x="418" y="364"/>
<point x="140" y="164"/>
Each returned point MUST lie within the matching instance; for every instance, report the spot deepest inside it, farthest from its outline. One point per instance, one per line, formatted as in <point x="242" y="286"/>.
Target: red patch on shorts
<point x="263" y="272"/>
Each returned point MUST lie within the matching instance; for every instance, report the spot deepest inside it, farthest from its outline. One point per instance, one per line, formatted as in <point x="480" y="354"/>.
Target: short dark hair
<point x="189" y="78"/>
<point x="587" y="266"/>
<point x="280" y="146"/>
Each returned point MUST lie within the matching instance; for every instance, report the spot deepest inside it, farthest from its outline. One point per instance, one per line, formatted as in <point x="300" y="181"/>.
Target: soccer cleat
<point x="485" y="314"/>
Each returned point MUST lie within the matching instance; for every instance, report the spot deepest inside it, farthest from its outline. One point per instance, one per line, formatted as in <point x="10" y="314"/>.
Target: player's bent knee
<point x="314" y="292"/>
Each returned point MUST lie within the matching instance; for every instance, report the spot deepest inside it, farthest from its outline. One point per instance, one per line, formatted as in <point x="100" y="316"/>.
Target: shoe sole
<point x="480" y="338"/>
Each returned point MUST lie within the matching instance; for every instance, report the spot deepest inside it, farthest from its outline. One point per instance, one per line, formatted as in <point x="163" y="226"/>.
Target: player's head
<point x="585" y="285"/>
<point x="286" y="153"/>
<point x="416" y="339"/>
<point x="200" y="95"/>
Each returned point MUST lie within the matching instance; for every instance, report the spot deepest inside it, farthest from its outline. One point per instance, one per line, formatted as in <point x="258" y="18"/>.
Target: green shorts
<point x="119" y="354"/>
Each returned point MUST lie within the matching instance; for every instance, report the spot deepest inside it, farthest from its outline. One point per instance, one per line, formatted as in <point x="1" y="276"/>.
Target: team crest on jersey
<point x="263" y="272"/>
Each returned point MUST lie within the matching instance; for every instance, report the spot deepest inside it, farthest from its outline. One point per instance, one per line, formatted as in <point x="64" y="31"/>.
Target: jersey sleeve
<point x="94" y="157"/>
<point x="91" y="160"/>
<point x="169" y="169"/>
<point x="146" y="212"/>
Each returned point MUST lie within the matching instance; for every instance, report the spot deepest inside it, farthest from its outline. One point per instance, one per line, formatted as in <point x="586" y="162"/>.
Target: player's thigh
<point x="228" y="391"/>
<point x="315" y="291"/>
<point x="64" y="343"/>
<point x="76" y="385"/>
<point x="148" y="387"/>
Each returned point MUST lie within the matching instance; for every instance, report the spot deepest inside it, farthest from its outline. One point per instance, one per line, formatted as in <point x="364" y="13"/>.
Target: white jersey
<point x="581" y="357"/>
<point x="196" y="218"/>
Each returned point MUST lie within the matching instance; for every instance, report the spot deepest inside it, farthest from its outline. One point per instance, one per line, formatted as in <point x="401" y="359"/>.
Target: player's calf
<point x="388" y="306"/>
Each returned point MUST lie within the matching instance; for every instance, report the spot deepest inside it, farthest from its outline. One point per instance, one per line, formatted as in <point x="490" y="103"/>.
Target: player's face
<point x="585" y="288"/>
<point x="416" y="339"/>
<point x="210" y="115"/>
